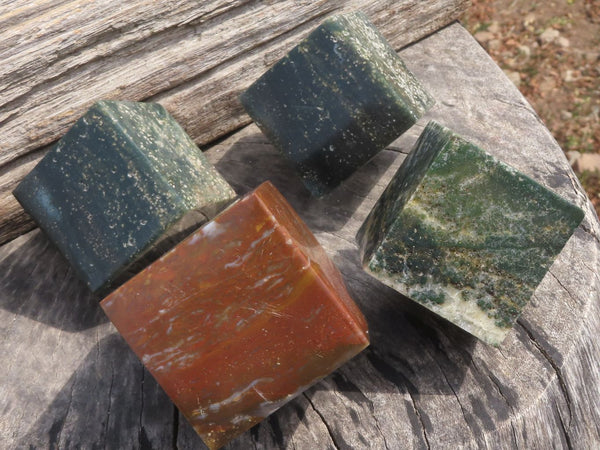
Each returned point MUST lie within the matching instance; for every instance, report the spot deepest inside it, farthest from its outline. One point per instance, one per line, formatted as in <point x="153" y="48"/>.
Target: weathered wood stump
<point x="68" y="380"/>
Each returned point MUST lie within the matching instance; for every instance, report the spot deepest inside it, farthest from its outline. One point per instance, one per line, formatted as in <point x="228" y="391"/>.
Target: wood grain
<point x="69" y="381"/>
<point x="192" y="57"/>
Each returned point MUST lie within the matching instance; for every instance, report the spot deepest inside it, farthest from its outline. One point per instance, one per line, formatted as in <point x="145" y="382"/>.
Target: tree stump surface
<point x="70" y="381"/>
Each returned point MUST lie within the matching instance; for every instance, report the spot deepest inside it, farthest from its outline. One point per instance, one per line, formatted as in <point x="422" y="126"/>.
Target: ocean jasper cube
<point x="122" y="179"/>
<point x="465" y="235"/>
<point x="336" y="100"/>
<point x="240" y="317"/>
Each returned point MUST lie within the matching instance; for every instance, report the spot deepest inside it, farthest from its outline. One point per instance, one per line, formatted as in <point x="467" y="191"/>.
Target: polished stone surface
<point x="335" y="100"/>
<point x="124" y="175"/>
<point x="465" y="235"/>
<point x="240" y="317"/>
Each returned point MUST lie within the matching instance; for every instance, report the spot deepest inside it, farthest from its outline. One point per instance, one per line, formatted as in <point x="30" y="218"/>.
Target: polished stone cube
<point x="465" y="235"/>
<point x="334" y="101"/>
<point x="121" y="179"/>
<point x="240" y="317"/>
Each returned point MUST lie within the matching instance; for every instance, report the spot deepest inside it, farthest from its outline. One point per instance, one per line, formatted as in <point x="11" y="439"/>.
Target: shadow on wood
<point x="110" y="401"/>
<point x="38" y="283"/>
<point x="252" y="160"/>
<point x="403" y="333"/>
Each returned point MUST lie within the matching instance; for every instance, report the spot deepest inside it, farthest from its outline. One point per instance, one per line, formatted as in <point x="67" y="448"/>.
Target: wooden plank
<point x="192" y="57"/>
<point x="69" y="381"/>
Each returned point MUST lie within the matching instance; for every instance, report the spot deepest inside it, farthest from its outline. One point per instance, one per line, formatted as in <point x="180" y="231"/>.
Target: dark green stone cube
<point x="336" y="100"/>
<point x="124" y="177"/>
<point x="465" y="235"/>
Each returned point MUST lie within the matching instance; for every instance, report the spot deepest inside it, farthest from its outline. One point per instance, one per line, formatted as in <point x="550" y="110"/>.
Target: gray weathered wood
<point x="192" y="57"/>
<point x="68" y="380"/>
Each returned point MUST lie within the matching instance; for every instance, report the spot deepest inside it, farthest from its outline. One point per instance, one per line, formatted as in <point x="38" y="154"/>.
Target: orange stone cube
<point x="240" y="317"/>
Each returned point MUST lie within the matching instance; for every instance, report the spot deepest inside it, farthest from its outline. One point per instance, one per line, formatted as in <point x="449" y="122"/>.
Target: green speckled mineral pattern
<point x="120" y="178"/>
<point x="336" y="100"/>
<point x="465" y="235"/>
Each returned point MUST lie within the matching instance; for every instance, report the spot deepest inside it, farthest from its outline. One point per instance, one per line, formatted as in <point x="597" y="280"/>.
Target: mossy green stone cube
<point x="124" y="176"/>
<point x="336" y="100"/>
<point x="465" y="235"/>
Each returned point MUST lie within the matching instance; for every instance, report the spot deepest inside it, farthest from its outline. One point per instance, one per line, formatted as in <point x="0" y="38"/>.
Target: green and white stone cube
<point x="465" y="235"/>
